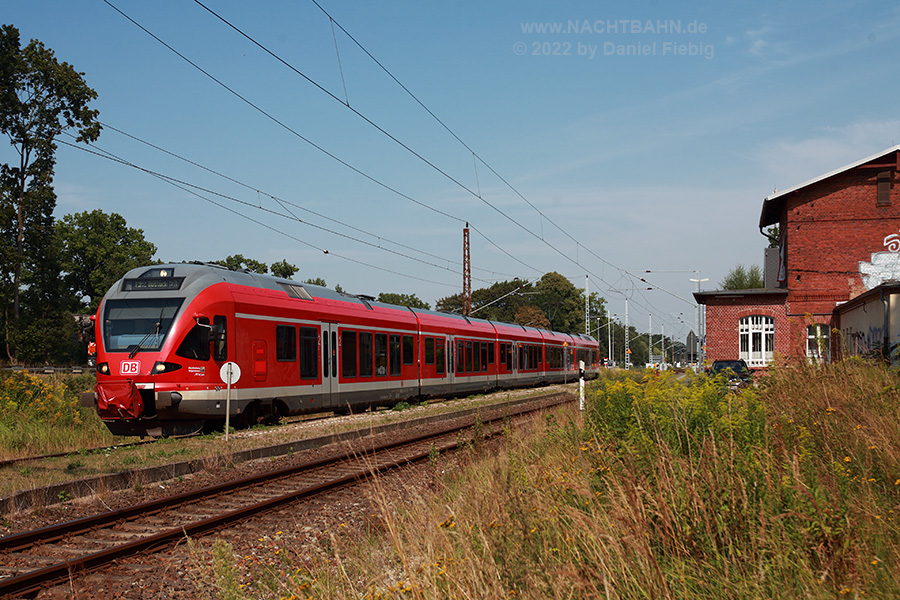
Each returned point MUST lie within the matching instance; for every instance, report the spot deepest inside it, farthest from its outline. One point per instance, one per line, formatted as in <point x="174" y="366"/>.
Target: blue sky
<point x="652" y="149"/>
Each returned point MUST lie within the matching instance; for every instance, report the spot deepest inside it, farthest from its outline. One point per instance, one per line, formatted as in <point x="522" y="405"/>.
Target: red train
<point x="163" y="333"/>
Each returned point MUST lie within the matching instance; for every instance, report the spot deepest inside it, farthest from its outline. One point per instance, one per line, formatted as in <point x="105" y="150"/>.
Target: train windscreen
<point x="138" y="324"/>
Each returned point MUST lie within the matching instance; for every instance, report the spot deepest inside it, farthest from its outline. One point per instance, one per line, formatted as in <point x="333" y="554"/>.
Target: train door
<point x="451" y="362"/>
<point x="330" y="361"/>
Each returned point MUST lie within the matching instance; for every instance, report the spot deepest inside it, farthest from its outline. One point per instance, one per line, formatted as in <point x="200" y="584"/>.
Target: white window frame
<point x="818" y="343"/>
<point x="756" y="336"/>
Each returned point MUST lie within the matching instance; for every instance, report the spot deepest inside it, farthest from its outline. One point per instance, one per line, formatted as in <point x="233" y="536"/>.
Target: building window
<point x="757" y="340"/>
<point x="818" y="343"/>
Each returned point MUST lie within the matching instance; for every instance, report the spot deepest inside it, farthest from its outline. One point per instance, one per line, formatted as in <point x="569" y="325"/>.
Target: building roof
<point x="773" y="204"/>
<point x="891" y="287"/>
<point x="702" y="297"/>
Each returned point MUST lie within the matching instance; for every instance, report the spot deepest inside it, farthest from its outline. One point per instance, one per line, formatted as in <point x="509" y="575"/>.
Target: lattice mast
<point x="467" y="274"/>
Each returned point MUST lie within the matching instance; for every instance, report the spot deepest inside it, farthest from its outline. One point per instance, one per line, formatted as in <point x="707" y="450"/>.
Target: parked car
<point x="737" y="372"/>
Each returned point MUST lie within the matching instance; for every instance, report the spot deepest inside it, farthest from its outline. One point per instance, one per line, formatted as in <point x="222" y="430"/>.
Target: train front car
<point x="156" y="329"/>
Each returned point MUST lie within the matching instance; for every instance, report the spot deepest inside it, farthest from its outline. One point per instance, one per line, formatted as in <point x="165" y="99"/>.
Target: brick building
<point x="839" y="236"/>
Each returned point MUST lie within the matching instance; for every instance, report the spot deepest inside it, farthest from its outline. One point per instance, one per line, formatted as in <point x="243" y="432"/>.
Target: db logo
<point x="130" y="367"/>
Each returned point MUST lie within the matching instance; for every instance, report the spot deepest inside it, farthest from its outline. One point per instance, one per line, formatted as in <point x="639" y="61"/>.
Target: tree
<point x="531" y="316"/>
<point x="774" y="235"/>
<point x="238" y="262"/>
<point x="317" y="281"/>
<point x="740" y="278"/>
<point x="410" y="300"/>
<point x="559" y="302"/>
<point x="40" y="98"/>
<point x="562" y="302"/>
<point x="96" y="250"/>
<point x="283" y="269"/>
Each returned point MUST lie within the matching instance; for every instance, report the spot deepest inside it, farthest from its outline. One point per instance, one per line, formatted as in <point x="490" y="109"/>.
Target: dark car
<point x="737" y="372"/>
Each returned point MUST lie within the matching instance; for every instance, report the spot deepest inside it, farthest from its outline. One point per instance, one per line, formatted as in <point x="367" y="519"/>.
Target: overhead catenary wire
<point x="284" y="202"/>
<point x="480" y="159"/>
<point x="193" y="190"/>
<point x="181" y="184"/>
<point x="478" y="195"/>
<point x="313" y="144"/>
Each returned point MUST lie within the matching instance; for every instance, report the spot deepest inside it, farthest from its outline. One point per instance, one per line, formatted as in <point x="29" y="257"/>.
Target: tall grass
<point x="41" y="414"/>
<point x="669" y="487"/>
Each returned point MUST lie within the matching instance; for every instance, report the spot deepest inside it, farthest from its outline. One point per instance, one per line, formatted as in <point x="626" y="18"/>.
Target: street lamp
<point x="700" y="336"/>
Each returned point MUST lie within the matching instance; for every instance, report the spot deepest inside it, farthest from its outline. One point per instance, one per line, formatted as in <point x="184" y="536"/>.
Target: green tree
<point x="283" y="269"/>
<point x="40" y="98"/>
<point x="774" y="235"/>
<point x="410" y="300"/>
<point x="562" y="302"/>
<point x="238" y="262"/>
<point x="317" y="281"/>
<point x="740" y="278"/>
<point x="499" y="302"/>
<point x="96" y="250"/>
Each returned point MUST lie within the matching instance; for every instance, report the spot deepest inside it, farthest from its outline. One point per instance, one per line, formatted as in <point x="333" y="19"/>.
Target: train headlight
<point x="103" y="368"/>
<point x="165" y="367"/>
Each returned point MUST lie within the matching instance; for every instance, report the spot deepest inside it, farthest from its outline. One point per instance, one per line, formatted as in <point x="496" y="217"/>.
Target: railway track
<point x="32" y="560"/>
<point x="39" y="457"/>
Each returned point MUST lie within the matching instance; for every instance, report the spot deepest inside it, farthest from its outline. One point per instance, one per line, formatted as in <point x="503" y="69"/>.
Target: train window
<point x="334" y="345"/>
<point x="484" y="356"/>
<point x="325" y="354"/>
<point x="365" y="354"/>
<point x="409" y="350"/>
<point x="490" y="353"/>
<point x="523" y="366"/>
<point x="285" y="343"/>
<point x="309" y="352"/>
<point x="460" y="357"/>
<point x="470" y="360"/>
<point x="395" y="351"/>
<point x="476" y="356"/>
<point x="509" y="357"/>
<point x="195" y="344"/>
<point x="296" y="291"/>
<point x="348" y="353"/>
<point x="220" y="338"/>
<point x="439" y="356"/>
<point x="381" y="358"/>
<point x="429" y="351"/>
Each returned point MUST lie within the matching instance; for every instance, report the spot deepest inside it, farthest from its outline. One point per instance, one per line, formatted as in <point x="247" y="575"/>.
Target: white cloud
<point x="791" y="162"/>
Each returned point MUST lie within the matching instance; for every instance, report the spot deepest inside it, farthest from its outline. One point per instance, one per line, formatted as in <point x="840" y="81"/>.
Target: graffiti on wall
<point x="884" y="266"/>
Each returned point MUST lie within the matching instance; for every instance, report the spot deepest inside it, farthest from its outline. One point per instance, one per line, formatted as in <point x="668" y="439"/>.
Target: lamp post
<point x="700" y="336"/>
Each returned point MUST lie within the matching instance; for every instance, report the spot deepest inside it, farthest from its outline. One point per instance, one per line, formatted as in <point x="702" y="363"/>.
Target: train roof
<point x="189" y="278"/>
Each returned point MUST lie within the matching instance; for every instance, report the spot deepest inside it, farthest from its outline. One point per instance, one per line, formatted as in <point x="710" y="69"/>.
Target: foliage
<point x="238" y="262"/>
<point x="284" y="269"/>
<point x="41" y="98"/>
<point x="531" y="316"/>
<point x="774" y="235"/>
<point x="671" y="488"/>
<point x="553" y="302"/>
<point x="317" y="281"/>
<point x="97" y="250"/>
<point x="740" y="278"/>
<point x="40" y="414"/>
<point x="410" y="300"/>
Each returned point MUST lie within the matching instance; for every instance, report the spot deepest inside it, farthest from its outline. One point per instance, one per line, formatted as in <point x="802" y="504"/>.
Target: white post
<point x="581" y="385"/>
<point x="230" y="373"/>
<point x="228" y="403"/>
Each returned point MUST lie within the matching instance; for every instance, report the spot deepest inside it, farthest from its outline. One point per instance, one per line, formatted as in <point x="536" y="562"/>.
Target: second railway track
<point x="36" y="559"/>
